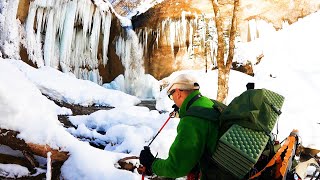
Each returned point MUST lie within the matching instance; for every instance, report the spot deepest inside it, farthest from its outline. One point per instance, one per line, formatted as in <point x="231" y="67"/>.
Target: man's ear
<point x="181" y="94"/>
<point x="178" y="93"/>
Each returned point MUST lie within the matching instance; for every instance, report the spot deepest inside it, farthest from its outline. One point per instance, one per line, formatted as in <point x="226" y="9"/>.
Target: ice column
<point x="33" y="45"/>
<point x="106" y="21"/>
<point x="131" y="54"/>
<point x="70" y="34"/>
<point x="67" y="34"/>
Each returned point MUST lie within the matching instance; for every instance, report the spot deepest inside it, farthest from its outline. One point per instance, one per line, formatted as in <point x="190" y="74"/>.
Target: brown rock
<point x="190" y="49"/>
<point x="23" y="10"/>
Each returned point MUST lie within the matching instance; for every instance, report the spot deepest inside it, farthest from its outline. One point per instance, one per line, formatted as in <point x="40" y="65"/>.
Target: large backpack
<point x="245" y="127"/>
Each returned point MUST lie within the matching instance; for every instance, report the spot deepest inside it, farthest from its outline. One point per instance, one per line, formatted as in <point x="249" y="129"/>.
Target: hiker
<point x="195" y="141"/>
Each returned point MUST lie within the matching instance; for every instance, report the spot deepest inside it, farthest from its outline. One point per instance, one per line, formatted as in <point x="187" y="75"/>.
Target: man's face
<point x="177" y="96"/>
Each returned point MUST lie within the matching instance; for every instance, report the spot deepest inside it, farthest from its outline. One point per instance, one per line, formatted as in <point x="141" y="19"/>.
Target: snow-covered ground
<point x="290" y="57"/>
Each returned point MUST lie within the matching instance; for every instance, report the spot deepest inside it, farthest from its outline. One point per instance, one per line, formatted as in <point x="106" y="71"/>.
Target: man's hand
<point x="146" y="159"/>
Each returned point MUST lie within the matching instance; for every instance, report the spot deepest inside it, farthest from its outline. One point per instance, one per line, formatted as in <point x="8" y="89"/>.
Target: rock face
<point x="181" y="34"/>
<point x="177" y="35"/>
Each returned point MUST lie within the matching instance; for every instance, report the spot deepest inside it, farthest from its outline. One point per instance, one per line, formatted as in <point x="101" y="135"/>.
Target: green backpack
<point x="245" y="127"/>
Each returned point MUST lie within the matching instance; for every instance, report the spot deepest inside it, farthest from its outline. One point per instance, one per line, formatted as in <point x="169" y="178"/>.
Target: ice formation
<point x="70" y="33"/>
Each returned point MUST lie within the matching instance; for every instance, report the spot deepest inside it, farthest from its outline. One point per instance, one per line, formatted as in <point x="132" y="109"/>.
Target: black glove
<point x="146" y="159"/>
<point x="175" y="108"/>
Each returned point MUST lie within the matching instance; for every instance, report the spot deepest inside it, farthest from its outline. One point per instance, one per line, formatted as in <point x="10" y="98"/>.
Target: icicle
<point x="184" y="26"/>
<point x="91" y="75"/>
<point x="94" y="39"/>
<point x="85" y="11"/>
<point x="190" y="48"/>
<point x="195" y="20"/>
<point x="61" y="12"/>
<point x="106" y="36"/>
<point x="203" y="30"/>
<point x="172" y="35"/>
<point x="177" y="32"/>
<point x="145" y="42"/>
<point x="157" y="38"/>
<point x="67" y="35"/>
<point x="49" y="44"/>
<point x="58" y="12"/>
<point x="252" y="29"/>
<point x="190" y="34"/>
<point x="33" y="46"/>
<point x="163" y="24"/>
<point x="39" y="23"/>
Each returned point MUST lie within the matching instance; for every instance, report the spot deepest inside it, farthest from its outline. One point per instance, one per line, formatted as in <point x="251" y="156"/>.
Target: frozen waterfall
<point x="130" y="52"/>
<point x="70" y="32"/>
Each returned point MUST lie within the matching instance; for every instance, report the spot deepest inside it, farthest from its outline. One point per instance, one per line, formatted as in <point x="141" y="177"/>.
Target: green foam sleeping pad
<point x="239" y="149"/>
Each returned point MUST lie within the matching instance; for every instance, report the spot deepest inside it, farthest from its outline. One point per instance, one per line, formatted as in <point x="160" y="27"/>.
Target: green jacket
<point x="195" y="136"/>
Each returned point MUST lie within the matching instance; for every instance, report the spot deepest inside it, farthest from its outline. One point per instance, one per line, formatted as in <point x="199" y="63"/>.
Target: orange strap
<point x="289" y="153"/>
<point x="289" y="146"/>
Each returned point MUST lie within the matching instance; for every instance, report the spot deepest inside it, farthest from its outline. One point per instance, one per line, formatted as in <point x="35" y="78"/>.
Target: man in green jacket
<point x="196" y="138"/>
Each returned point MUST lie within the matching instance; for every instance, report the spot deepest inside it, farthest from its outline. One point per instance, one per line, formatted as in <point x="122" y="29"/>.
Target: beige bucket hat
<point x="184" y="82"/>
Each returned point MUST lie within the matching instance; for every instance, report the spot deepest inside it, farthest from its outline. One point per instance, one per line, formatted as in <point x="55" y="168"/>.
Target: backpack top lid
<point x="256" y="109"/>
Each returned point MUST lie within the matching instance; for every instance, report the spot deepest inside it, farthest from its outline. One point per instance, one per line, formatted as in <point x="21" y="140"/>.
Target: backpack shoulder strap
<point x="204" y="113"/>
<point x="193" y="100"/>
<point x="211" y="114"/>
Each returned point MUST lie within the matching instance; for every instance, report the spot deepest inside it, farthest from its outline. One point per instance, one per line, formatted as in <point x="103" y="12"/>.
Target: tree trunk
<point x="8" y="159"/>
<point x="223" y="87"/>
<point x="233" y="33"/>
<point x="224" y="68"/>
<point x="9" y="138"/>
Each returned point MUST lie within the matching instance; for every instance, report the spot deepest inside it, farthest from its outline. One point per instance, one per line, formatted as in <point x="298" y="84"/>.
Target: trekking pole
<point x="171" y="115"/>
<point x="143" y="172"/>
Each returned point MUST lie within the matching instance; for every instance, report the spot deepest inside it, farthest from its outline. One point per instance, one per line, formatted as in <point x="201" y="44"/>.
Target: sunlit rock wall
<point x="176" y="35"/>
<point x="180" y="34"/>
<point x="279" y="13"/>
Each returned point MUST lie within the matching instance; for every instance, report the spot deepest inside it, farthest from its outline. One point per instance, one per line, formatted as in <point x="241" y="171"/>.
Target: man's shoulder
<point x="203" y="102"/>
<point x="203" y="112"/>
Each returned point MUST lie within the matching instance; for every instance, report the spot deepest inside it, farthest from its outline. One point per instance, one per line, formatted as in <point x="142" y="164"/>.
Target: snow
<point x="60" y="86"/>
<point x="290" y="57"/>
<point x="13" y="171"/>
<point x="143" y="7"/>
